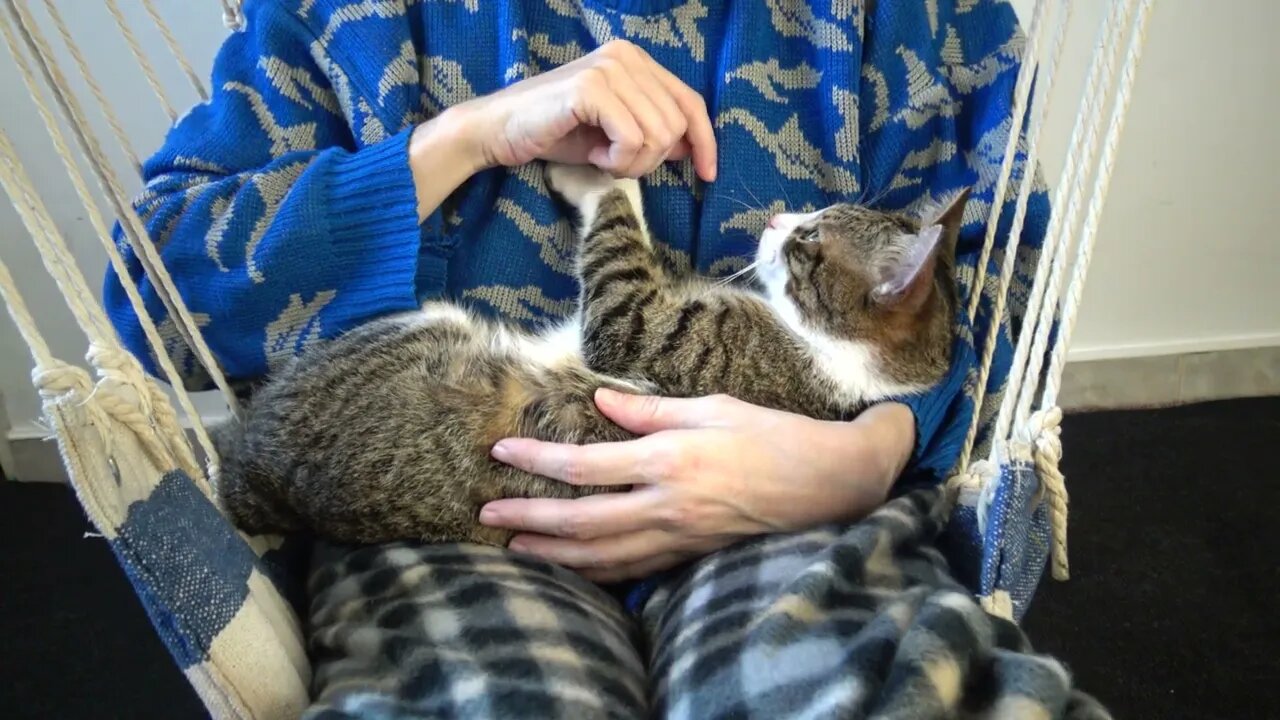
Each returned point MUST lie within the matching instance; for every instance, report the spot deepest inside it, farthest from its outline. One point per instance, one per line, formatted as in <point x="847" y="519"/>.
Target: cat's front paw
<point x="578" y="183"/>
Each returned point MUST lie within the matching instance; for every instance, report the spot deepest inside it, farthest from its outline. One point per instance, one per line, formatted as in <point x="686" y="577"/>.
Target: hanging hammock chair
<point x="217" y="597"/>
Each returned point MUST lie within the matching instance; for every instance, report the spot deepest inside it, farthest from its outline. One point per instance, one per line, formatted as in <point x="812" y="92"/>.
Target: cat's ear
<point x="907" y="282"/>
<point x="950" y="217"/>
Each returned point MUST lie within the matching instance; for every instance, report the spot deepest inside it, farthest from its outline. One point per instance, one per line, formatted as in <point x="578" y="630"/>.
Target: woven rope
<point x="135" y="48"/>
<point x="1021" y="92"/>
<point x="23" y="320"/>
<point x="1044" y="88"/>
<point x="120" y="373"/>
<point x="146" y="388"/>
<point x="1040" y="433"/>
<point x="131" y="224"/>
<point x="55" y="379"/>
<point x="232" y="15"/>
<point x="1044" y="439"/>
<point x="1033" y="343"/>
<point x="1089" y="235"/>
<point x="113" y="122"/>
<point x="175" y="49"/>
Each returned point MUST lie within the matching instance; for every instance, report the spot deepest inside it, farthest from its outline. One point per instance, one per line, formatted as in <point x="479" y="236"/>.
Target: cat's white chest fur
<point x="851" y="367"/>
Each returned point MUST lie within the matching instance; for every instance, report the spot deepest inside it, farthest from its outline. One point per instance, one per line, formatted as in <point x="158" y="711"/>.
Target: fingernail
<point x="501" y="452"/>
<point x="606" y="395"/>
<point x="517" y="546"/>
<point x="488" y="516"/>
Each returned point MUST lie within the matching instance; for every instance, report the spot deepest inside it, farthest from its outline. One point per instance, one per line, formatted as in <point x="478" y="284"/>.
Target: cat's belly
<point x="554" y="348"/>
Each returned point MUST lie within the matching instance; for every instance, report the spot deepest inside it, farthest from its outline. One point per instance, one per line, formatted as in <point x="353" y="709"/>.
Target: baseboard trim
<point x="1223" y="343"/>
<point x="1175" y="379"/>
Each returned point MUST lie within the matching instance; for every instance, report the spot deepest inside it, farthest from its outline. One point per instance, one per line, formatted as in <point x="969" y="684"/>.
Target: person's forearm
<point x="873" y="449"/>
<point x="893" y="429"/>
<point x="442" y="156"/>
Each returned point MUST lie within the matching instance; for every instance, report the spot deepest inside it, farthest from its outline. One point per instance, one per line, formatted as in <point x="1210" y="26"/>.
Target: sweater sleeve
<point x="942" y="417"/>
<point x="277" y="224"/>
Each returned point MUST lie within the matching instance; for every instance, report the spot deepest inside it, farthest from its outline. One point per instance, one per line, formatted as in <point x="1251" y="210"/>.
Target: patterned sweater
<point x="286" y="209"/>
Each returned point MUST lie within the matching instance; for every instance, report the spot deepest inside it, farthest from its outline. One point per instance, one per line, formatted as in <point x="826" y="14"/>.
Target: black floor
<point x="1173" y="612"/>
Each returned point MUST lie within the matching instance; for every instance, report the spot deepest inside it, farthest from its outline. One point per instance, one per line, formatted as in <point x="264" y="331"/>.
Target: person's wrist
<point x="452" y="137"/>
<point x="879" y="441"/>
<point x="469" y="126"/>
<point x="444" y="152"/>
<point x="893" y="426"/>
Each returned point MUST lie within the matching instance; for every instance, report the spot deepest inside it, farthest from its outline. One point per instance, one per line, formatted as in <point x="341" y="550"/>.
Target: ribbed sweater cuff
<point x="372" y="218"/>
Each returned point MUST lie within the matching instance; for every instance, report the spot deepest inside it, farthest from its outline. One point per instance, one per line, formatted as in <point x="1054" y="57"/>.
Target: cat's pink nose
<point x="775" y="221"/>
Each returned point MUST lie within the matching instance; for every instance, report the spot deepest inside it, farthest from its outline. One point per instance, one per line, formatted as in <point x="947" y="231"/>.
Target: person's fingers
<point x="584" y="518"/>
<point x="648" y="414"/>
<point x="600" y="106"/>
<point x="700" y="131"/>
<point x="681" y="150"/>
<point x="673" y="117"/>
<point x="601" y="552"/>
<point x="596" y="464"/>
<point x="657" y="138"/>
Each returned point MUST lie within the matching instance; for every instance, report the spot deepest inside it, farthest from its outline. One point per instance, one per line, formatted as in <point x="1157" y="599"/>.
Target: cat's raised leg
<point x="622" y="280"/>
<point x="586" y="187"/>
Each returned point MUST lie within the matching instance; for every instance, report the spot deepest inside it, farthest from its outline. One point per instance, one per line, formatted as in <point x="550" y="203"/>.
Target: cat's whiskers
<point x="759" y="204"/>
<point x="730" y="278"/>
<point x="743" y="203"/>
<point x="783" y="187"/>
<point x="875" y="199"/>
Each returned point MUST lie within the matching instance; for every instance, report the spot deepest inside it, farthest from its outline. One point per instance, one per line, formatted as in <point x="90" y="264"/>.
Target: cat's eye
<point x="809" y="236"/>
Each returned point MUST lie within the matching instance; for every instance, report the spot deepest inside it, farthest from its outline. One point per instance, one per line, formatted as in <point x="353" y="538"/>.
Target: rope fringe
<point x="998" y="603"/>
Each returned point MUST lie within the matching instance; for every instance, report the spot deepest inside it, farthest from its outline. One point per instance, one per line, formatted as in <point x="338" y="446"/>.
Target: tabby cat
<point x="385" y="432"/>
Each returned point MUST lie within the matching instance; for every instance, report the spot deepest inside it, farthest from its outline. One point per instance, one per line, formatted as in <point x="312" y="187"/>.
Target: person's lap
<point x="857" y="621"/>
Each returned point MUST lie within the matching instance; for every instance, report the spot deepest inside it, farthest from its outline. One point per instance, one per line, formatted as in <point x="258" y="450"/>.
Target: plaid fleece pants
<point x="863" y="621"/>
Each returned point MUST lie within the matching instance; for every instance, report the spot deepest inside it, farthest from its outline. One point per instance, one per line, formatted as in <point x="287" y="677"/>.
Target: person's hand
<point x="708" y="472"/>
<point x="615" y="108"/>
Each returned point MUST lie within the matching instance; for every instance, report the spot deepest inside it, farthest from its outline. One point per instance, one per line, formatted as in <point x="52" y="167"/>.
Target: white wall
<point x="1187" y="258"/>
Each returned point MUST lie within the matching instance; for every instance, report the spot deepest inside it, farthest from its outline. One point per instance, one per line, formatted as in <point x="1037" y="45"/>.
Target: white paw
<point x="576" y="182"/>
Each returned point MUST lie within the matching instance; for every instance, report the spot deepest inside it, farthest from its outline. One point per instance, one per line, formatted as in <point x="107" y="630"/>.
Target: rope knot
<point x="106" y="357"/>
<point x="1044" y="431"/>
<point x="59" y="379"/>
<point x="977" y="476"/>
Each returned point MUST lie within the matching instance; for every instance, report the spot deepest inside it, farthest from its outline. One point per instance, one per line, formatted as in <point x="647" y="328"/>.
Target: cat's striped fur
<point x="385" y="432"/>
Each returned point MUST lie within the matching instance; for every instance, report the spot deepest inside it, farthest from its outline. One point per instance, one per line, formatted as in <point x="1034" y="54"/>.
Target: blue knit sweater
<point x="286" y="209"/>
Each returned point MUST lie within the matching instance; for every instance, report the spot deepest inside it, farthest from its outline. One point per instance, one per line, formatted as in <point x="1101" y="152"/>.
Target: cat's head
<point x="861" y="283"/>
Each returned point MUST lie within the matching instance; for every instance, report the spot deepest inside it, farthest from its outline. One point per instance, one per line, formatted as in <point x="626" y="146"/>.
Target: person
<point x="359" y="157"/>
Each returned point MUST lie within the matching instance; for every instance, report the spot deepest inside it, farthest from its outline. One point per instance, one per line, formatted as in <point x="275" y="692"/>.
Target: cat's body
<point x="385" y="432"/>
